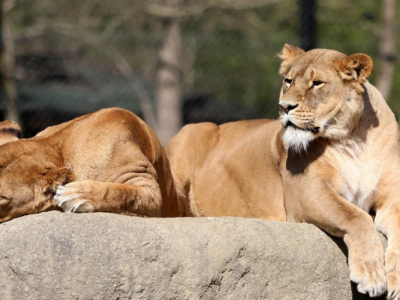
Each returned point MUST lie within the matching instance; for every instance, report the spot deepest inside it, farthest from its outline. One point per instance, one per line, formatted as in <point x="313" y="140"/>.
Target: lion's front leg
<point x="365" y="258"/>
<point x="139" y="197"/>
<point x="387" y="221"/>
<point x="365" y="251"/>
<point x="329" y="211"/>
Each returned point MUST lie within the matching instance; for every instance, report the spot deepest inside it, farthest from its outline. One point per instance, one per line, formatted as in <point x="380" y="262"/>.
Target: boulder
<point x="57" y="255"/>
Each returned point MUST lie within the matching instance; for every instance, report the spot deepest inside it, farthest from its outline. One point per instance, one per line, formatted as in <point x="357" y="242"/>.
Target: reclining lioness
<point x="108" y="161"/>
<point x="333" y="157"/>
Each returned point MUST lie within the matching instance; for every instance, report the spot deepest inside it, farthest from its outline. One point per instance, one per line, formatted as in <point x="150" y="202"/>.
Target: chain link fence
<point x="71" y="58"/>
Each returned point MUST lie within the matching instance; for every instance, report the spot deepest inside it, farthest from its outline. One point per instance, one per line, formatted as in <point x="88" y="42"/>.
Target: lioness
<point x="107" y="161"/>
<point x="332" y="158"/>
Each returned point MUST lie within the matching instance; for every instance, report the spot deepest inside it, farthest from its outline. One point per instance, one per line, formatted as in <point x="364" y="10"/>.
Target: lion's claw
<point x="369" y="274"/>
<point x="71" y="200"/>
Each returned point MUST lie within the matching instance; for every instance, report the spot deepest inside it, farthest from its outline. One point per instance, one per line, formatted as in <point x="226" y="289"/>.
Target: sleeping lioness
<point x="108" y="161"/>
<point x="333" y="157"/>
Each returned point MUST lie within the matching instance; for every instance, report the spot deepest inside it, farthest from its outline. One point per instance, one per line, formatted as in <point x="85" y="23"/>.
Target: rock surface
<point x="104" y="256"/>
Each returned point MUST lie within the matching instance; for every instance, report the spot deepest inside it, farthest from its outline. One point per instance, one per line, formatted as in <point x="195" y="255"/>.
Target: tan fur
<point x="108" y="161"/>
<point x="332" y="157"/>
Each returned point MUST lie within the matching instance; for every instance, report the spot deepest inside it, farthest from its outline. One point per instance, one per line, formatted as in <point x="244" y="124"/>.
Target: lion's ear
<point x="9" y="132"/>
<point x="288" y="54"/>
<point x="356" y="67"/>
<point x="56" y="177"/>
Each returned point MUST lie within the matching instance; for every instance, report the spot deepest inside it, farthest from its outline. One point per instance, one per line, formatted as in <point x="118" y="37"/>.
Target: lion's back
<point x="229" y="170"/>
<point x="98" y="145"/>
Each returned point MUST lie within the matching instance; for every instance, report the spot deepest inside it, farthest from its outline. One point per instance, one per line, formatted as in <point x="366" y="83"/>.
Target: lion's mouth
<point x="314" y="130"/>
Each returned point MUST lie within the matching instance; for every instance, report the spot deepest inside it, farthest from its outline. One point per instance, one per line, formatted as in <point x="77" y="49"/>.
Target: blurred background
<point x="174" y="62"/>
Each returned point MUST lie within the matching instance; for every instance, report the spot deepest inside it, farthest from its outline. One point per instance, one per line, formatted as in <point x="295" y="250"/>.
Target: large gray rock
<point x="104" y="256"/>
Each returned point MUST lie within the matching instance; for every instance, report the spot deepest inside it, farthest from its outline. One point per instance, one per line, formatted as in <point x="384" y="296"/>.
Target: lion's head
<point x="321" y="94"/>
<point x="29" y="175"/>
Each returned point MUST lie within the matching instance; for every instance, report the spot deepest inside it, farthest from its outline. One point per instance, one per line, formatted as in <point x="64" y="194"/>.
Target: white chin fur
<point x="297" y="139"/>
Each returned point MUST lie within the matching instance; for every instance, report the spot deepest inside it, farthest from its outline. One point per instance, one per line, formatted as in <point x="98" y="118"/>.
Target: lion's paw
<point x="369" y="276"/>
<point x="392" y="274"/>
<point x="393" y="286"/>
<point x="71" y="199"/>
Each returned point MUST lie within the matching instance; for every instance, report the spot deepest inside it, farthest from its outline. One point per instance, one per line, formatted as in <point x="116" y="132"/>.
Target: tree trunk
<point x="387" y="48"/>
<point x="8" y="89"/>
<point x="169" y="78"/>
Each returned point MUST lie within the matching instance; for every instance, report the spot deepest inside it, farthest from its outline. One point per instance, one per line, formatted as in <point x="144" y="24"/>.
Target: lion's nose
<point x="285" y="107"/>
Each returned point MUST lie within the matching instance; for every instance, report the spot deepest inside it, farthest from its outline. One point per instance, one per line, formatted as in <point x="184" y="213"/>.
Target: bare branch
<point x="256" y="22"/>
<point x="116" y="22"/>
<point x="123" y="67"/>
<point x="9" y="5"/>
<point x="175" y="12"/>
<point x="165" y="11"/>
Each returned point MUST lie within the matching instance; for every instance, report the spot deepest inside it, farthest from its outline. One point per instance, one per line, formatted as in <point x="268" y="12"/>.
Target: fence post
<point x="7" y="85"/>
<point x="308" y="24"/>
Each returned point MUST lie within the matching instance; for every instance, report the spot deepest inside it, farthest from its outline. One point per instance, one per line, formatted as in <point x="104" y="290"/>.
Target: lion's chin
<point x="297" y="139"/>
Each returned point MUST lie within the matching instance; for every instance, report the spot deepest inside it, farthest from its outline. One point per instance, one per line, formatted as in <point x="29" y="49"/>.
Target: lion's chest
<point x="358" y="175"/>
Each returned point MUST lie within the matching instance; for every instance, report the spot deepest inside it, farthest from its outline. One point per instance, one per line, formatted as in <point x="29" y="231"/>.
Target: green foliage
<point x="228" y="55"/>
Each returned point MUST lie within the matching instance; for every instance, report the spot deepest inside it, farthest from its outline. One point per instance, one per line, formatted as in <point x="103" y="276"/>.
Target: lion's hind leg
<point x="139" y="196"/>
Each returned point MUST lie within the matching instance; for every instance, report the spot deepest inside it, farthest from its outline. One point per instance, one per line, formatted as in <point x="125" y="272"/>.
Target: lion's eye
<point x="288" y="81"/>
<point x="317" y="83"/>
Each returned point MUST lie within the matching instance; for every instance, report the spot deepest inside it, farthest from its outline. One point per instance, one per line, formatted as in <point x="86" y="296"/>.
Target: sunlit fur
<point x="297" y="139"/>
<point x="332" y="158"/>
<point x="334" y="107"/>
<point x="107" y="161"/>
